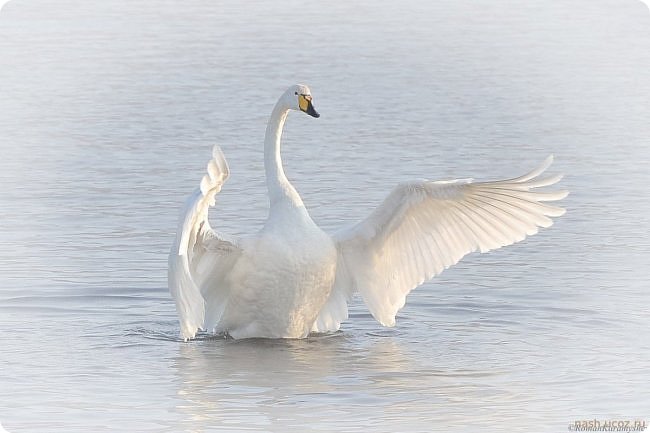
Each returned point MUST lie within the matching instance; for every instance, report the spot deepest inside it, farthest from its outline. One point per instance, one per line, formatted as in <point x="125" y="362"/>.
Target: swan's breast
<point x="282" y="282"/>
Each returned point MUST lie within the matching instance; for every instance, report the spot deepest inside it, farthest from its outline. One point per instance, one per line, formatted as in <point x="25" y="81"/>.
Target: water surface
<point x="108" y="112"/>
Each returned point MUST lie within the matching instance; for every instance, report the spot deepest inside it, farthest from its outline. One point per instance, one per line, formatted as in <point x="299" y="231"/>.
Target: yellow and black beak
<point x="304" y="102"/>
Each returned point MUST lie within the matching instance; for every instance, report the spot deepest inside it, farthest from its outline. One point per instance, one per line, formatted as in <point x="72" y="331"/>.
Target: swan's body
<point x="282" y="279"/>
<point x="293" y="279"/>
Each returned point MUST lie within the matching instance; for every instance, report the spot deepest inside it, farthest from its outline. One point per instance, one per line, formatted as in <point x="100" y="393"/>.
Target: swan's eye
<point x="295" y="93"/>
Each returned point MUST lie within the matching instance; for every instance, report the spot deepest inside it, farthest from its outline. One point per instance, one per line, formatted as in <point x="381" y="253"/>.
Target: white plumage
<point x="292" y="278"/>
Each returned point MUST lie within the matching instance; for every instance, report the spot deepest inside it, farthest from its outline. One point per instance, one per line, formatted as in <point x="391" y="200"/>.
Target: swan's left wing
<point x="200" y="256"/>
<point x="424" y="227"/>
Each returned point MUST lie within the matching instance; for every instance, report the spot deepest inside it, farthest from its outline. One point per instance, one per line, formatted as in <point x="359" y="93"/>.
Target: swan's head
<point x="298" y="97"/>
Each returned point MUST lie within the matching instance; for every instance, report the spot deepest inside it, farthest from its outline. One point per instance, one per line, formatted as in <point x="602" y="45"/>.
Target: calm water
<point x="108" y="112"/>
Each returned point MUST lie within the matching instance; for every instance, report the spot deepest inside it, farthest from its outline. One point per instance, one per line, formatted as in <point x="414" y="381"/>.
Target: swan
<point x="292" y="278"/>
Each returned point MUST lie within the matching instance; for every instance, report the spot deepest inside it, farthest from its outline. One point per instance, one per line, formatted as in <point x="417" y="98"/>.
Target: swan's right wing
<point x="200" y="256"/>
<point x="424" y="227"/>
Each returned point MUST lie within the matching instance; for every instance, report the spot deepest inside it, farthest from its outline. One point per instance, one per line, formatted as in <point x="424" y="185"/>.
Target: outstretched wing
<point x="424" y="227"/>
<point x="200" y="256"/>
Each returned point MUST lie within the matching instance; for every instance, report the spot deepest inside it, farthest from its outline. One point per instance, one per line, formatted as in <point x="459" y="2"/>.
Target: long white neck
<point x="280" y="190"/>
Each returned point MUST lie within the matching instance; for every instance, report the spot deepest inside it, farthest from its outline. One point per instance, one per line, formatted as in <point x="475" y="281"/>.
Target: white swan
<point x="293" y="278"/>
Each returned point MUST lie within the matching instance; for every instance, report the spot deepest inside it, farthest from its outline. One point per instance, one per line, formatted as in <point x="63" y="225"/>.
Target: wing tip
<point x="549" y="159"/>
<point x="562" y="194"/>
<point x="216" y="151"/>
<point x="220" y="162"/>
<point x="217" y="173"/>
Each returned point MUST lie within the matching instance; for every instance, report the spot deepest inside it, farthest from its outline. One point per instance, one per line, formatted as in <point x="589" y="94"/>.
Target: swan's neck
<point x="280" y="189"/>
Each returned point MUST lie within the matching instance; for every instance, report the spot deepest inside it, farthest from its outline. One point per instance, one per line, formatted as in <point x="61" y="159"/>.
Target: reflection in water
<point x="276" y="385"/>
<point x="273" y="384"/>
